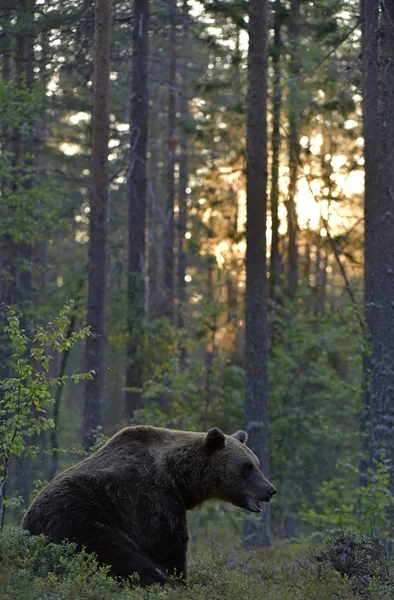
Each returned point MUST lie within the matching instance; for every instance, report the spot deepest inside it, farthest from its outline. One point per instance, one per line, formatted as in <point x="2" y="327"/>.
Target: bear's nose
<point x="272" y="491"/>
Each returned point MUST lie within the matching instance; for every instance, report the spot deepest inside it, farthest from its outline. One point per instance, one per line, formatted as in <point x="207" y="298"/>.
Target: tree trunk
<point x="370" y="23"/>
<point x="183" y="182"/>
<point x="231" y="279"/>
<point x="24" y="67"/>
<point x="256" y="407"/>
<point x="40" y="249"/>
<point x="182" y="223"/>
<point x="275" y="264"/>
<point x="154" y="242"/>
<point x="137" y="208"/>
<point x="6" y="78"/>
<point x="320" y="289"/>
<point x="23" y="151"/>
<point x="168" y="308"/>
<point x="8" y="249"/>
<point x="94" y="349"/>
<point x="53" y="458"/>
<point x="377" y="421"/>
<point x="294" y="151"/>
<point x="210" y="349"/>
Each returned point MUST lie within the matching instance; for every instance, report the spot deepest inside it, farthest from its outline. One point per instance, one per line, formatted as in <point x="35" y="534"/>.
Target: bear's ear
<point x="214" y="440"/>
<point x="242" y="436"/>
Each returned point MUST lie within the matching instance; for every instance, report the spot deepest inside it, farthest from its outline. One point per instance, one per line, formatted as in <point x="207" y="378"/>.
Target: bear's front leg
<point x="170" y="552"/>
<point x="162" y="533"/>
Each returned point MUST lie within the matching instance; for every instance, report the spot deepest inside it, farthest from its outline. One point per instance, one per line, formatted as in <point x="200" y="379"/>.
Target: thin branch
<point x="332" y="51"/>
<point x="336" y="254"/>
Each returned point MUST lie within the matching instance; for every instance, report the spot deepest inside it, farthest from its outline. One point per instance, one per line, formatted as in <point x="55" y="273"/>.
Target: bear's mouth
<point x="253" y="505"/>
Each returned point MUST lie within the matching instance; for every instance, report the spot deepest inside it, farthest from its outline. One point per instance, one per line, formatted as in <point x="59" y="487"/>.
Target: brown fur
<point x="127" y="502"/>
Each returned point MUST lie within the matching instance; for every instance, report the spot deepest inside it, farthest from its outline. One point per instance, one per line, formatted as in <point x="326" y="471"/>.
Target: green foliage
<point x="347" y="567"/>
<point x="28" y="210"/>
<point x="20" y="104"/>
<point x="334" y="504"/>
<point x="376" y="502"/>
<point x="368" y="508"/>
<point x="33" y="569"/>
<point x="27" y="396"/>
<point x="26" y="200"/>
<point x="360" y="559"/>
<point x="174" y="388"/>
<point x="314" y="408"/>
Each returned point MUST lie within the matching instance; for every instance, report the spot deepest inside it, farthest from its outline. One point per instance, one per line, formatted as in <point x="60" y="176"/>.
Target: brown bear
<point x="127" y="502"/>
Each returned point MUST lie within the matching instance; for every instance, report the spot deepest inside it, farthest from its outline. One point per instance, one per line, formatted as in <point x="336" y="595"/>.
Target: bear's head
<point x="234" y="471"/>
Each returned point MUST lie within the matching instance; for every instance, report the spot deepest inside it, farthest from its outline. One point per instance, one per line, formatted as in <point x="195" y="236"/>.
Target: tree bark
<point x="320" y="290"/>
<point x="183" y="182"/>
<point x="182" y="224"/>
<point x="256" y="406"/>
<point x="210" y="349"/>
<point x="370" y="23"/>
<point x="294" y="151"/>
<point x="98" y="226"/>
<point x="53" y="459"/>
<point x="24" y="68"/>
<point x="8" y="248"/>
<point x="23" y="150"/>
<point x="154" y="225"/>
<point x="137" y="208"/>
<point x="377" y="422"/>
<point x="275" y="263"/>
<point x="231" y="279"/>
<point x="168" y="308"/>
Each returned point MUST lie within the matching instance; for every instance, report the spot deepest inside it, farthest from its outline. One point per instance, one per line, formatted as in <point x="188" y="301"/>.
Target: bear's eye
<point x="247" y="469"/>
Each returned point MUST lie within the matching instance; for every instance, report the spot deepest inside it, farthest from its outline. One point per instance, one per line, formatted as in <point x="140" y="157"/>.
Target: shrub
<point x="32" y="568"/>
<point x="347" y="567"/>
<point x="358" y="558"/>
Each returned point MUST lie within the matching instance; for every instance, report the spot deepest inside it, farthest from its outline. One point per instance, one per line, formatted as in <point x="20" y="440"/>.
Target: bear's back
<point x="105" y="487"/>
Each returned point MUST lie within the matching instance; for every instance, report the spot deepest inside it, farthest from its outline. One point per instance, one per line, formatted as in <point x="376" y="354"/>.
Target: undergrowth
<point x="345" y="566"/>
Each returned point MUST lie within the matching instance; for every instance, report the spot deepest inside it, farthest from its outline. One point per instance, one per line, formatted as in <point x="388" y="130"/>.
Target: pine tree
<point x="137" y="207"/>
<point x="378" y="92"/>
<point x="256" y="342"/>
<point x="98" y="226"/>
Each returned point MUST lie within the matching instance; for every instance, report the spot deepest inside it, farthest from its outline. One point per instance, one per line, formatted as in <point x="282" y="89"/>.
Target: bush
<point x="32" y="568"/>
<point x="358" y="558"/>
<point x="347" y="567"/>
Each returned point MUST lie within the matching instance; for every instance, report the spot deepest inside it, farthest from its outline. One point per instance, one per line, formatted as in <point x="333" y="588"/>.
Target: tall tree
<point x="8" y="247"/>
<point x="137" y="207"/>
<point x="378" y="91"/>
<point x="94" y="349"/>
<point x="154" y="254"/>
<point x="275" y="262"/>
<point x="24" y="67"/>
<point x="22" y="180"/>
<point x="256" y="403"/>
<point x="168" y="308"/>
<point x="294" y="147"/>
<point x="183" y="180"/>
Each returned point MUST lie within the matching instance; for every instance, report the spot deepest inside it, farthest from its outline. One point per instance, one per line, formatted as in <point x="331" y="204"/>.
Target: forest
<point x="196" y="204"/>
